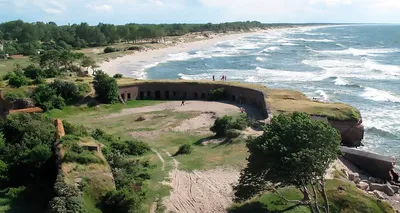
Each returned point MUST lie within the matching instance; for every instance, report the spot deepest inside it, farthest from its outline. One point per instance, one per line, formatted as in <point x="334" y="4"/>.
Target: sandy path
<point x="200" y="106"/>
<point x="204" y="120"/>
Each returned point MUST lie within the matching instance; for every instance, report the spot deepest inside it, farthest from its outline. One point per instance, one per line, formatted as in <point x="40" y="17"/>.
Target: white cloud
<point x="157" y="2"/>
<point x="51" y="6"/>
<point x="101" y="7"/>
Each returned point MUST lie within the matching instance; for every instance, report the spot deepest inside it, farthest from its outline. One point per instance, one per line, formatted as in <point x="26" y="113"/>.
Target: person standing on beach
<point x="223" y="77"/>
<point x="213" y="77"/>
<point x="183" y="103"/>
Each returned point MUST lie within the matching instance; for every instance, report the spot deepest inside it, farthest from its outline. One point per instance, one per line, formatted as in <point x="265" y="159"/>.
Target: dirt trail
<point x="200" y="191"/>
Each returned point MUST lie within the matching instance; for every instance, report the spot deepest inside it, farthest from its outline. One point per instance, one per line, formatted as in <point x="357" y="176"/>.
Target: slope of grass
<point x="9" y="64"/>
<point x="343" y="197"/>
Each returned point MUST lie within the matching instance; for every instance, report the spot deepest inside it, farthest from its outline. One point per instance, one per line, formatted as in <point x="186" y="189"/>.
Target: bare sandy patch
<point x="201" y="191"/>
<point x="204" y="120"/>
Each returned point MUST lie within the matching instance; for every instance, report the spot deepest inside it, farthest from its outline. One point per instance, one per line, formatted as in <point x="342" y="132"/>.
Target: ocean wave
<point x="382" y="133"/>
<point x="260" y="59"/>
<point x="340" y="82"/>
<point x="385" y="119"/>
<point x="311" y="40"/>
<point x="379" y="95"/>
<point x="358" y="52"/>
<point x="270" y="49"/>
<point x="322" y="95"/>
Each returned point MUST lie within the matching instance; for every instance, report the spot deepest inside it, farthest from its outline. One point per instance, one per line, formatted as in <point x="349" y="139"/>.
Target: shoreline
<point x="134" y="65"/>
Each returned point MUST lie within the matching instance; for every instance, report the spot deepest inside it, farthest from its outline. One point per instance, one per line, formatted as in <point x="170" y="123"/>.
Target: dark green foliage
<point x="84" y="157"/>
<point x="118" y="75"/>
<point x="101" y="136"/>
<point x="184" y="149"/>
<point x="66" y="89"/>
<point x="136" y="48"/>
<point x="15" y="94"/>
<point x="39" y="80"/>
<point x="131" y="147"/>
<point x="226" y="123"/>
<point x="110" y="50"/>
<point x="77" y="130"/>
<point x="218" y="94"/>
<point x="27" y="164"/>
<point x="68" y="198"/>
<point x="28" y="49"/>
<point x="46" y="98"/>
<point x="106" y="88"/>
<point x="122" y="201"/>
<point x="17" y="80"/>
<point x="51" y="72"/>
<point x="33" y="72"/>
<point x="293" y="151"/>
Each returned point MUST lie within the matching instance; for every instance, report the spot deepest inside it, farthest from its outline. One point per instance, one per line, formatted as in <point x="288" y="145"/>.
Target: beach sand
<point x="134" y="65"/>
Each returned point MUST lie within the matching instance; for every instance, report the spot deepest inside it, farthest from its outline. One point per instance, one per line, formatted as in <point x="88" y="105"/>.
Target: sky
<point x="201" y="11"/>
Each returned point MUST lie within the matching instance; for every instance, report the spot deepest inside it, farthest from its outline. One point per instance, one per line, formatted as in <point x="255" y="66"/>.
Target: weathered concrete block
<point x="363" y="186"/>
<point x="376" y="186"/>
<point x="379" y="195"/>
<point x="388" y="190"/>
<point x="352" y="176"/>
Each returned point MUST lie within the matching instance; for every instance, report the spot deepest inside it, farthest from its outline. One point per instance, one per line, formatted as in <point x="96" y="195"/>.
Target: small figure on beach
<point x="223" y="77"/>
<point x="213" y="77"/>
<point x="183" y="103"/>
<point x="242" y="110"/>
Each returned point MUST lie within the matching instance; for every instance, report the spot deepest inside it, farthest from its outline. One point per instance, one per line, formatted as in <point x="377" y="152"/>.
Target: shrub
<point x="106" y="88"/>
<point x="100" y="135"/>
<point x="33" y="72"/>
<point x="131" y="147"/>
<point x="66" y="89"/>
<point x="52" y="72"/>
<point x="15" y="94"/>
<point x="184" y="149"/>
<point x="233" y="133"/>
<point x="124" y="200"/>
<point x="45" y="97"/>
<point x="8" y="75"/>
<point x="67" y="199"/>
<point x="137" y="48"/>
<point x="39" y="80"/>
<point x="84" y="88"/>
<point x="85" y="157"/>
<point x="240" y="122"/>
<point x="110" y="50"/>
<point x="221" y="126"/>
<point x="118" y="75"/>
<point x="17" y="81"/>
<point x="15" y="192"/>
<point x="71" y="129"/>
<point x="217" y="94"/>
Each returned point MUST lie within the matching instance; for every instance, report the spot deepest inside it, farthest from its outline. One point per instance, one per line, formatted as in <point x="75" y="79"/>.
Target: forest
<point x="28" y="38"/>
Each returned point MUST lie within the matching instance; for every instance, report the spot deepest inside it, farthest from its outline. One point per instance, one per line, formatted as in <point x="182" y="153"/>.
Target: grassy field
<point x="9" y="64"/>
<point x="343" y="197"/>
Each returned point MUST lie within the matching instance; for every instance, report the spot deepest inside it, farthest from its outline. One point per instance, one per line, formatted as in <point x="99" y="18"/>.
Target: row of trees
<point x="27" y="38"/>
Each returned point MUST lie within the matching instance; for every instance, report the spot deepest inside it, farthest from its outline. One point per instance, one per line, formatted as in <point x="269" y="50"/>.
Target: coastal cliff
<point x="352" y="132"/>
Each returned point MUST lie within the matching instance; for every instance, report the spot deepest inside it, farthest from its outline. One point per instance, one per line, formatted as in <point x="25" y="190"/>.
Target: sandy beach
<point x="134" y="65"/>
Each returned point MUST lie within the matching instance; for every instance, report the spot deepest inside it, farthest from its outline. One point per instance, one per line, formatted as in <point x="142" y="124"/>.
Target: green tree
<point x="33" y="72"/>
<point x="106" y="87"/>
<point x="88" y="62"/>
<point x="293" y="151"/>
<point x="46" y="98"/>
<point x="17" y="80"/>
<point x="66" y="89"/>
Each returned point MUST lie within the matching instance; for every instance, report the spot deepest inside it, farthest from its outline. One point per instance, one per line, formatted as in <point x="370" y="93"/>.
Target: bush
<point x="15" y="94"/>
<point x="223" y="125"/>
<point x="110" y="50"/>
<point x="106" y="88"/>
<point x="85" y="157"/>
<point x="8" y="75"/>
<point x="45" y="97"/>
<point x="51" y="72"/>
<point x="217" y="94"/>
<point x="33" y="72"/>
<point x="15" y="192"/>
<point x="124" y="200"/>
<point x="233" y="133"/>
<point x="67" y="199"/>
<point x="17" y="81"/>
<point x="71" y="129"/>
<point x="184" y="149"/>
<point x="132" y="147"/>
<point x="66" y="89"/>
<point x="118" y="75"/>
<point x="136" y="48"/>
<point x="38" y="80"/>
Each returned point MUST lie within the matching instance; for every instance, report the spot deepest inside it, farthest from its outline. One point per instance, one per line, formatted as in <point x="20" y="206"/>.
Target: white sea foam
<point x="340" y="82"/>
<point x="379" y="95"/>
<point x="260" y="59"/>
<point x="270" y="49"/>
<point x="358" y="52"/>
<point x="310" y="40"/>
<point x="322" y="94"/>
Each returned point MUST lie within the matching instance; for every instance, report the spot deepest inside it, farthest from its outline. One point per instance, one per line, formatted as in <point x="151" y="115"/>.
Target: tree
<point x="106" y="87"/>
<point x="88" y="62"/>
<point x="17" y="80"/>
<point x="33" y="72"/>
<point x="293" y="151"/>
<point x="66" y="89"/>
<point x="46" y="98"/>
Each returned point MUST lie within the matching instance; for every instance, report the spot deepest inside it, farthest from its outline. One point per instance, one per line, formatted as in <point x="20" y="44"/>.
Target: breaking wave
<point x="379" y="95"/>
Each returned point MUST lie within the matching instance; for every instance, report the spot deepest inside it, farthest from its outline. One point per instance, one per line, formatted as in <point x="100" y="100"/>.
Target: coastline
<point x="135" y="64"/>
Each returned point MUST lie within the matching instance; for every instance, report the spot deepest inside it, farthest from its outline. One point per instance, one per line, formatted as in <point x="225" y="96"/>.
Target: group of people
<point x="223" y="78"/>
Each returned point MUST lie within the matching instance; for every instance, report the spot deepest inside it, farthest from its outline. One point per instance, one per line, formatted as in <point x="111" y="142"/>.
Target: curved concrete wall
<point x="192" y="91"/>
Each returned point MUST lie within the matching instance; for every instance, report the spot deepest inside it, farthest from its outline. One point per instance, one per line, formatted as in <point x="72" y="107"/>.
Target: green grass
<point x="343" y="197"/>
<point x="9" y="64"/>
<point x="98" y="110"/>
<point x="90" y="203"/>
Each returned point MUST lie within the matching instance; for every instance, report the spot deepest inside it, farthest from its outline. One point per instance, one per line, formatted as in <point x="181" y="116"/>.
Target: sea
<point x="355" y="64"/>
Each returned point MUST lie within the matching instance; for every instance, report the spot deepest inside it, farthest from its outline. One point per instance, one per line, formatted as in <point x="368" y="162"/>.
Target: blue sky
<point x="200" y="11"/>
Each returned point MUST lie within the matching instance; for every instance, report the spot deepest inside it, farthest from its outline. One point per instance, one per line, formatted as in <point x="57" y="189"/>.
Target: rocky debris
<point x="376" y="186"/>
<point x="395" y="188"/>
<point x="388" y="190"/>
<point x="379" y="194"/>
<point x="353" y="176"/>
<point x="363" y="186"/>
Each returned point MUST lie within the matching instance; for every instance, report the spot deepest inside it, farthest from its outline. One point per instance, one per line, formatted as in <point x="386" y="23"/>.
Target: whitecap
<point x="311" y="40"/>
<point x="270" y="49"/>
<point x="358" y="52"/>
<point x="322" y="94"/>
<point x="379" y="95"/>
<point x="260" y="59"/>
<point x="340" y="82"/>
